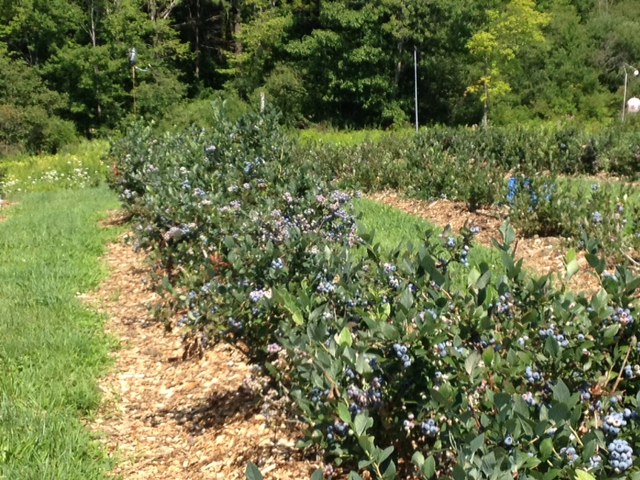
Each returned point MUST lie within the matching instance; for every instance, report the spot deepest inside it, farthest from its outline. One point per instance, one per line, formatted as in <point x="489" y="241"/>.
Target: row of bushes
<point x="413" y="364"/>
<point x="522" y="168"/>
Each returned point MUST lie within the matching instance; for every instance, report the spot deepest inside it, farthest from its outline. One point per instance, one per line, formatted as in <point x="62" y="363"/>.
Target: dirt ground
<point x="541" y="255"/>
<point x="165" y="418"/>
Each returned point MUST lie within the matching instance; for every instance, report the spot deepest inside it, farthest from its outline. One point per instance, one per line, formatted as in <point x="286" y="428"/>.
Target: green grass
<point x="79" y="166"/>
<point x="394" y="229"/>
<point x="52" y="347"/>
<point x="351" y="137"/>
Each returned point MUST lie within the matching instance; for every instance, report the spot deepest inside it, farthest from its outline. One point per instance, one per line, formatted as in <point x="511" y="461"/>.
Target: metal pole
<point x="624" y="95"/>
<point x="415" y="81"/>
<point x="133" y="88"/>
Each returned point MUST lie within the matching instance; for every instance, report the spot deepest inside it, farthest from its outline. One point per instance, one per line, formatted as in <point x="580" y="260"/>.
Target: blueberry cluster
<point x="562" y="340"/>
<point x="318" y="395"/>
<point x="235" y="325"/>
<point x="533" y="376"/>
<point x="620" y="455"/>
<point x="595" y="461"/>
<point x="277" y="264"/>
<point x="402" y="352"/>
<point x="430" y="428"/>
<point x="632" y="371"/>
<point x="451" y="242"/>
<point x="614" y="422"/>
<point x="570" y="454"/>
<point x="514" y="186"/>
<point x="464" y="255"/>
<point x="504" y="305"/>
<point x="339" y="428"/>
<point x="443" y="348"/>
<point x="325" y="287"/>
<point x="622" y="316"/>
<point x="258" y="295"/>
<point x="596" y="217"/>
<point x="529" y="398"/>
<point x="409" y="423"/>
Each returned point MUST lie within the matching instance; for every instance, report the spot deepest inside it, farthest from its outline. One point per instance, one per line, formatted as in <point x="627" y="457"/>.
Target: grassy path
<point x="51" y="347"/>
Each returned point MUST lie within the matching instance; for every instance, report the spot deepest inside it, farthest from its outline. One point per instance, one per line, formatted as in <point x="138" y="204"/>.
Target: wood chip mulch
<point x="541" y="255"/>
<point x="167" y="418"/>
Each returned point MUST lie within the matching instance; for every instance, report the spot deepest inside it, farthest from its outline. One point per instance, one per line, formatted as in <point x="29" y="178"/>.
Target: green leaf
<point x="472" y="278"/>
<point x="582" y="475"/>
<point x="343" y="413"/>
<point x="546" y="448"/>
<point x="477" y="443"/>
<point x="406" y="299"/>
<point x="611" y="331"/>
<point x="317" y="475"/>
<point x="354" y="476"/>
<point x="345" y="337"/>
<point x="471" y="363"/>
<point x="551" y="474"/>
<point x="390" y="472"/>
<point x="484" y="280"/>
<point x="291" y="306"/>
<point x="487" y="356"/>
<point x="561" y="392"/>
<point x="508" y="234"/>
<point x="429" y="467"/>
<point x="572" y="268"/>
<point x="360" y="424"/>
<point x="384" y="454"/>
<point x="632" y="285"/>
<point x="252" y="472"/>
<point x="596" y="262"/>
<point x="417" y="459"/>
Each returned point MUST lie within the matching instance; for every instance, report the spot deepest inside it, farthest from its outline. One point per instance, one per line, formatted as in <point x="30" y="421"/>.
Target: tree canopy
<point x="341" y="62"/>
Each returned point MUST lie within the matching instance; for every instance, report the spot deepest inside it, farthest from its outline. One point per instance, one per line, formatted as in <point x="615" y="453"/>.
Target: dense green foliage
<point x="526" y="169"/>
<point x="66" y="64"/>
<point x="52" y="347"/>
<point x="412" y="363"/>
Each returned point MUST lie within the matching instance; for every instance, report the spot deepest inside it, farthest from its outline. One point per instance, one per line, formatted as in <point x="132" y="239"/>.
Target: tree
<point x="499" y="43"/>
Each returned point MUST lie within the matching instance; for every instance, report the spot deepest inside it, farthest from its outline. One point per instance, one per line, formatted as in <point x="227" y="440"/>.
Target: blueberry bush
<point x="533" y="172"/>
<point x="413" y="364"/>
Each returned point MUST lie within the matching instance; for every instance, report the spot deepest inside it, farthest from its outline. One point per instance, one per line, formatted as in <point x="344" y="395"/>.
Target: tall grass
<point x="79" y="166"/>
<point x="52" y="347"/>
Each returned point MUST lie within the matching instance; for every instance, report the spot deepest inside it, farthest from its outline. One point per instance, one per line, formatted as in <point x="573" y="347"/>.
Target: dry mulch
<point x="168" y="418"/>
<point x="541" y="255"/>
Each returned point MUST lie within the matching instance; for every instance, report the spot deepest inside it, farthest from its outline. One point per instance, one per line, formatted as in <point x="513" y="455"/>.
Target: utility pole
<point x="133" y="60"/>
<point x="636" y="73"/>
<point x="415" y="82"/>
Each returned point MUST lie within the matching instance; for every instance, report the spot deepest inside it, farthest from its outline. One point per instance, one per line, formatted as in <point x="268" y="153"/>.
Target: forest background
<point x="66" y="69"/>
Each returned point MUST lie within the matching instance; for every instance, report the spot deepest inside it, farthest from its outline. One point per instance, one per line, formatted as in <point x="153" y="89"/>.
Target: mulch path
<point x="541" y="255"/>
<point x="168" y="418"/>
